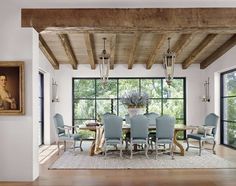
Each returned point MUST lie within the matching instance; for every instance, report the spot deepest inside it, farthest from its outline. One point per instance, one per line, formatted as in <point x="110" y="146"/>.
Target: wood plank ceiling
<point x="134" y="36"/>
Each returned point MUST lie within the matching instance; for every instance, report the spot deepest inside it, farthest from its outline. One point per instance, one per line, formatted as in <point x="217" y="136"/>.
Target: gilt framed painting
<point x="12" y="88"/>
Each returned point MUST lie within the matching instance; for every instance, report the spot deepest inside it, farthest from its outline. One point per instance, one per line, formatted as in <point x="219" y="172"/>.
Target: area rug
<point x="191" y="160"/>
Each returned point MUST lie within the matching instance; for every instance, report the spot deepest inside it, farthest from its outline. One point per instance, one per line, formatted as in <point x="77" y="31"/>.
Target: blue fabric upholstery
<point x="152" y="116"/>
<point x="165" y="132"/>
<point x="210" y="120"/>
<point x="113" y="131"/>
<point x="64" y="132"/>
<point x="139" y="132"/>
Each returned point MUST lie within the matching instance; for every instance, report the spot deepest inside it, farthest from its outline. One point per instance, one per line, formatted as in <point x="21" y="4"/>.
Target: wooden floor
<point x="175" y="177"/>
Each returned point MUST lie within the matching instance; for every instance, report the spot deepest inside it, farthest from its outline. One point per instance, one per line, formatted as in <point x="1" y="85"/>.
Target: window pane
<point x="152" y="87"/>
<point x="84" y="88"/>
<point x="126" y="85"/>
<point x="155" y="106"/>
<point x="104" y="106"/>
<point x="229" y="81"/>
<point x="123" y="110"/>
<point x="175" y="90"/>
<point x="230" y="109"/>
<point x="174" y="107"/>
<point x="84" y="109"/>
<point x="230" y="134"/>
<point x="107" y="91"/>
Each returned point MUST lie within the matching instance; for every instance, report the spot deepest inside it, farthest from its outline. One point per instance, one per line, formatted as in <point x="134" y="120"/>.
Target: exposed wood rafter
<point x="88" y="43"/>
<point x="182" y="42"/>
<point x="205" y="42"/>
<point x="219" y="52"/>
<point x="48" y="53"/>
<point x="155" y="51"/>
<point x="214" y="20"/>
<point x="132" y="53"/>
<point x="113" y="50"/>
<point x="68" y="49"/>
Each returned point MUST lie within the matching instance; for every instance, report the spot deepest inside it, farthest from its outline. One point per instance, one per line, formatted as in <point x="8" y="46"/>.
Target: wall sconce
<point x="55" y="97"/>
<point x="206" y="97"/>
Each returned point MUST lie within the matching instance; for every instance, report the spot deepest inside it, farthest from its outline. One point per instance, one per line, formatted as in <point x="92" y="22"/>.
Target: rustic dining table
<point x="126" y="128"/>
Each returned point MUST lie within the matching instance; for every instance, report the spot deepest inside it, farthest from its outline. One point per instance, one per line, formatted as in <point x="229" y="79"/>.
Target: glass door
<point x="228" y="108"/>
<point x="41" y="109"/>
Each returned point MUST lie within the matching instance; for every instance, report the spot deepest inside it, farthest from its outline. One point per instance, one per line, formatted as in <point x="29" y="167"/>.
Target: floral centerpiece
<point x="135" y="102"/>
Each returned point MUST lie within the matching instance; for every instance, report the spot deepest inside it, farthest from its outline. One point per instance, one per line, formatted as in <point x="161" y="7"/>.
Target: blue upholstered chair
<point x="152" y="116"/>
<point x="205" y="133"/>
<point x="139" y="132"/>
<point x="64" y="133"/>
<point x="113" y="132"/>
<point x="165" y="132"/>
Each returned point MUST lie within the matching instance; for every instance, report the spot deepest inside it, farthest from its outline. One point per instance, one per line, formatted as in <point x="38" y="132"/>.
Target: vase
<point x="135" y="111"/>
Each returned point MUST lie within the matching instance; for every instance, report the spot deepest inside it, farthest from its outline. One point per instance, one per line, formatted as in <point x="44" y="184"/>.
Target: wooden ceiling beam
<point x="113" y="50"/>
<point x="193" y="55"/>
<point x="88" y="43"/>
<point x="132" y="52"/>
<point x="68" y="49"/>
<point x="140" y="19"/>
<point x="219" y="52"/>
<point x="182" y="42"/>
<point x="155" y="51"/>
<point x="47" y="52"/>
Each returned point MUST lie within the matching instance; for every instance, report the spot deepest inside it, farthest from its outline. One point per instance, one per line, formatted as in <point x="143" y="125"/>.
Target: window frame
<point x="222" y="97"/>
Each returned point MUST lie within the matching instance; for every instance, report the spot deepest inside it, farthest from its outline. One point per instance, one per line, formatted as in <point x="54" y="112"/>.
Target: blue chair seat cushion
<point x="112" y="141"/>
<point x="200" y="137"/>
<point x="164" y="141"/>
<point x="139" y="140"/>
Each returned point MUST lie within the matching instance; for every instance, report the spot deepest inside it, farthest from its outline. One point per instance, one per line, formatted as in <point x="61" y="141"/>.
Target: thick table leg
<point x="178" y="144"/>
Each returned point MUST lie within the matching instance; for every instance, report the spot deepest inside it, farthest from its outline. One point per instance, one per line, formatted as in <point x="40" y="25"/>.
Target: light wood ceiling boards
<point x="134" y="36"/>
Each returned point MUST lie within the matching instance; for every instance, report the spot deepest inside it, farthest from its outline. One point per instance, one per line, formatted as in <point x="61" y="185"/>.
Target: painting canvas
<point x="11" y="88"/>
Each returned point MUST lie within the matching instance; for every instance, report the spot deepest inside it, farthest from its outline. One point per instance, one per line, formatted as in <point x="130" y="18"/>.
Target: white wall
<point x="16" y="132"/>
<point x="194" y="88"/>
<point x="224" y="63"/>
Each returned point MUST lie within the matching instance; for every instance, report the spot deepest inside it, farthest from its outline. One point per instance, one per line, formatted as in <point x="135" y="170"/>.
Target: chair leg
<point x="172" y="151"/>
<point x="213" y="149"/>
<point x="74" y="143"/>
<point x="121" y="154"/>
<point x="58" y="147"/>
<point x="105" y="149"/>
<point x="156" y="148"/>
<point x="200" y="147"/>
<point x="131" y="151"/>
<point x="187" y="144"/>
<point x="64" y="146"/>
<point x="146" y="149"/>
<point x="80" y="145"/>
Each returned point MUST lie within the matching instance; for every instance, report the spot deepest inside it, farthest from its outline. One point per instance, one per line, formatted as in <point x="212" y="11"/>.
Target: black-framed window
<point x="228" y="108"/>
<point x="91" y="99"/>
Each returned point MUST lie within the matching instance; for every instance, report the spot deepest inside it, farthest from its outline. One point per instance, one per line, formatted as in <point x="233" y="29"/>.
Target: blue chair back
<point x="152" y="116"/>
<point x="105" y="115"/>
<point x="211" y="120"/>
<point x="165" y="127"/>
<point x="113" y="126"/>
<point x="139" y="126"/>
<point x="59" y="122"/>
<point x="127" y="119"/>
